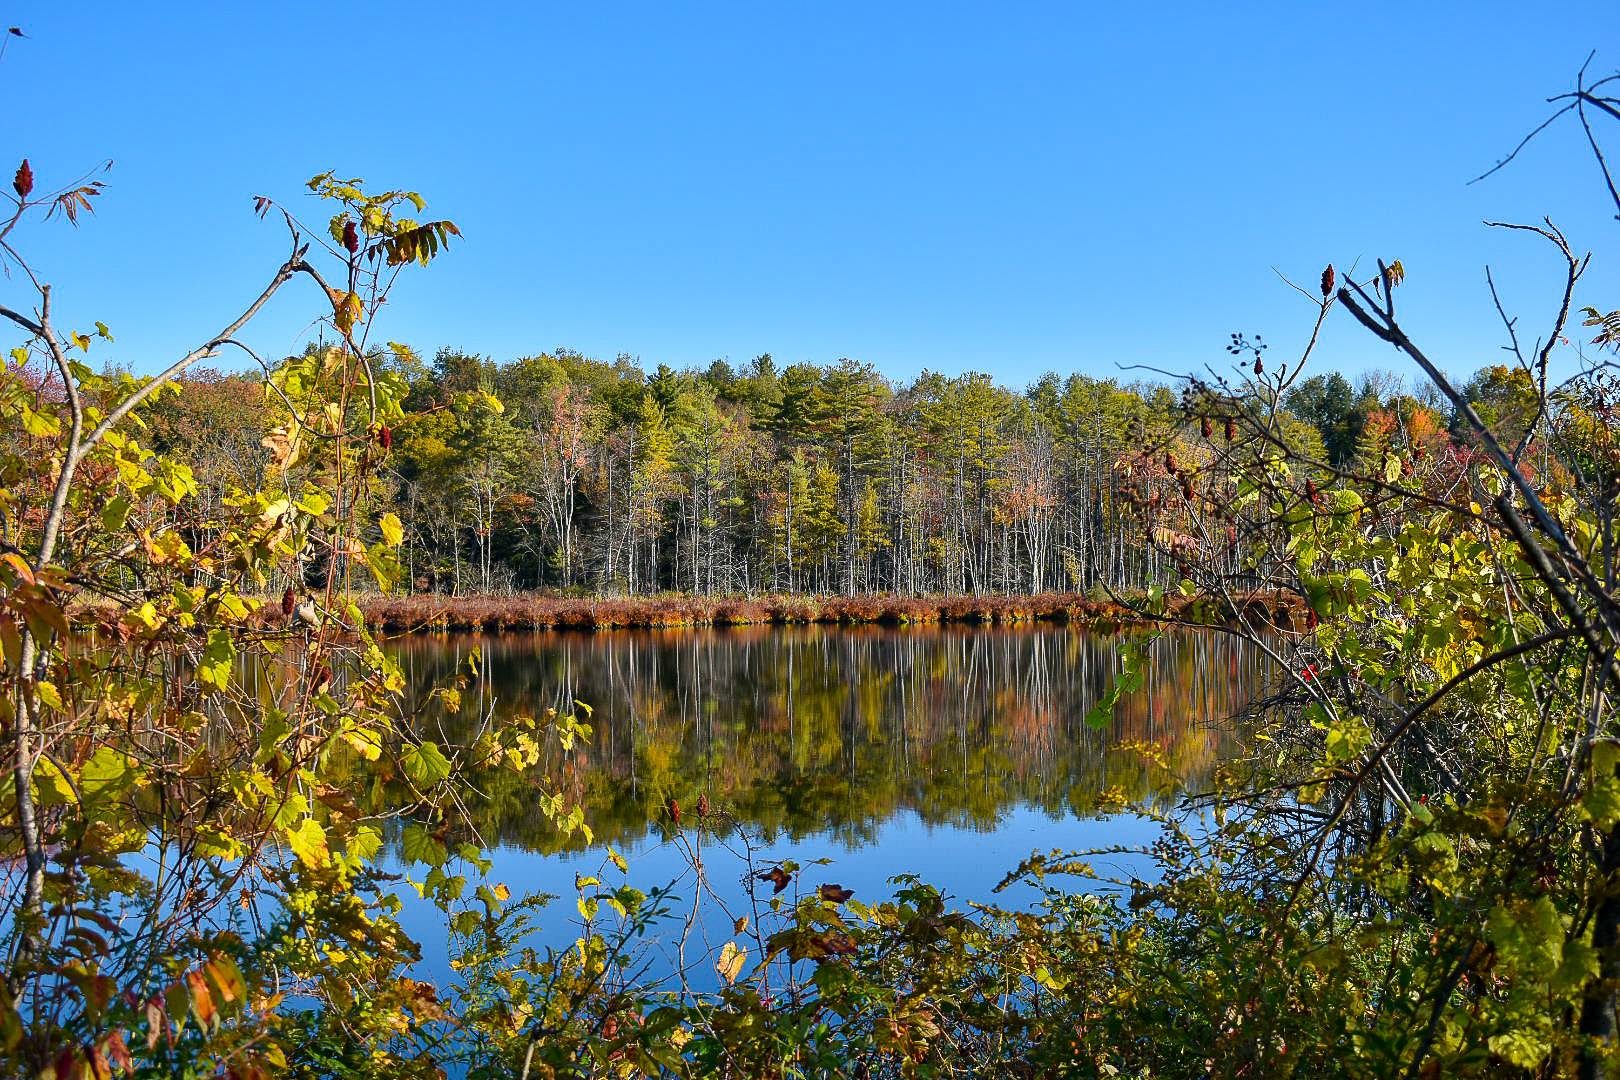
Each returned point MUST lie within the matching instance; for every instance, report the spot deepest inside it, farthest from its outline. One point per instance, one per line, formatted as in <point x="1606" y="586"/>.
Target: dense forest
<point x="559" y="471"/>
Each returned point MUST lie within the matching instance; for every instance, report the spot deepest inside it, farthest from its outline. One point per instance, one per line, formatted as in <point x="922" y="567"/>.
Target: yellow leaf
<point x="346" y="309"/>
<point x="308" y="842"/>
<point x="393" y="532"/>
<point x="730" y="963"/>
<point x="48" y="694"/>
<point x="365" y="743"/>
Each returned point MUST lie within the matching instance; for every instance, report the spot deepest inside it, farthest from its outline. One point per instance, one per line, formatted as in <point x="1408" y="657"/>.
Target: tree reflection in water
<point x="823" y="730"/>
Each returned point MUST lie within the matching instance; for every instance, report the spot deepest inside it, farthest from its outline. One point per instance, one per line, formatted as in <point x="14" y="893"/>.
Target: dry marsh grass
<point x="433" y="613"/>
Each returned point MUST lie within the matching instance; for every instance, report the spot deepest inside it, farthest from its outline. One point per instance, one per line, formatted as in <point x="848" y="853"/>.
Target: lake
<point x="950" y="753"/>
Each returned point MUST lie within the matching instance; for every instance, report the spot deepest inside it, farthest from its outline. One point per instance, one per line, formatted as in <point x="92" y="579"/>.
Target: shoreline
<point x="434" y="613"/>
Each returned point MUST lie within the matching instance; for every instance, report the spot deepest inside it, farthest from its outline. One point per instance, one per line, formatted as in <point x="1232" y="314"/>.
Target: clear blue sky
<point x="1009" y="188"/>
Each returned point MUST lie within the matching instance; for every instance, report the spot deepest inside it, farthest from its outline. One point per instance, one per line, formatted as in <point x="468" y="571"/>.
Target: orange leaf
<point x="202" y="1002"/>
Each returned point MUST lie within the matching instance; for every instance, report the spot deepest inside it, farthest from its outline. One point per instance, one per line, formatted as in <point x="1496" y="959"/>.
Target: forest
<point x="564" y="473"/>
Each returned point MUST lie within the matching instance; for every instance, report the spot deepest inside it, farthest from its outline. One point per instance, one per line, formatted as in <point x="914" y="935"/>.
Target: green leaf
<point x="106" y="775"/>
<point x="417" y="846"/>
<point x="426" y="765"/>
<point x="114" y="513"/>
<point x="364" y="842"/>
<point x="218" y="658"/>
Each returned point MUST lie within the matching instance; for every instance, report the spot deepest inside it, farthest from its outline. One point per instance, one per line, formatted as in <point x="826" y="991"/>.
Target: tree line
<point x="562" y="472"/>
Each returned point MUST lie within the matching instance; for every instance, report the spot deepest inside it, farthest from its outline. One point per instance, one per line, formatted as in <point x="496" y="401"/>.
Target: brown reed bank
<point x="531" y="612"/>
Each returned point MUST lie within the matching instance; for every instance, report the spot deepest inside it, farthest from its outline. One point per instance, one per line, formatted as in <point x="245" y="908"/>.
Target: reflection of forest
<point x="810" y="730"/>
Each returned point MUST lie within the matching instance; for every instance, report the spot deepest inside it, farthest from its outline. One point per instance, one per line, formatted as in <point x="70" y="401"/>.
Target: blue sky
<point x="1009" y="188"/>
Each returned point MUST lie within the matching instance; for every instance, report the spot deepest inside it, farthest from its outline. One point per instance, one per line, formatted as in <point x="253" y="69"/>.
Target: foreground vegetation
<point x="1415" y="872"/>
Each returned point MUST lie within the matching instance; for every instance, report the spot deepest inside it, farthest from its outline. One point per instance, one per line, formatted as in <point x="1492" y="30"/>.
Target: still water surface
<point x="949" y="753"/>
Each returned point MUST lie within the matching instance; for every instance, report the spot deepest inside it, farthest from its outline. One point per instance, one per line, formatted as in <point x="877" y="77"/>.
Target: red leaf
<point x="23" y="182"/>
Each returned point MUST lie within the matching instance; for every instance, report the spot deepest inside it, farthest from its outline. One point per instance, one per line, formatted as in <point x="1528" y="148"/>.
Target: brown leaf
<point x="71" y="202"/>
<point x="156" y="1023"/>
<point x="838" y="944"/>
<point x="282" y="443"/>
<point x="835" y="893"/>
<point x="777" y="876"/>
<point x="23" y="182"/>
<point x="119" y="1053"/>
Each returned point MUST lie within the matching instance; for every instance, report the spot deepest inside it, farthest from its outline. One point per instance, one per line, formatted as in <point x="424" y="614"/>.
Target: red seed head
<point x="1231" y="429"/>
<point x="23" y="182"/>
<point x="1259" y="365"/>
<point x="385" y="438"/>
<point x="351" y="237"/>
<point x="1327" y="281"/>
<point x="1205" y="427"/>
<point x="288" y="601"/>
<point x="674" y="809"/>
